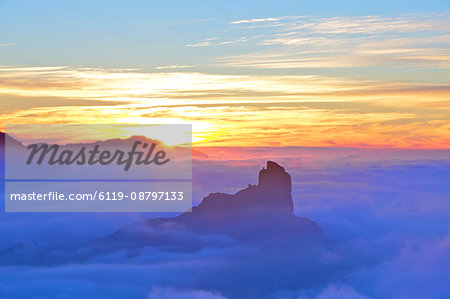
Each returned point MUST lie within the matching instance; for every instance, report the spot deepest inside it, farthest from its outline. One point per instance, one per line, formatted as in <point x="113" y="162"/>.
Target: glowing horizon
<point x="370" y="81"/>
<point x="240" y="110"/>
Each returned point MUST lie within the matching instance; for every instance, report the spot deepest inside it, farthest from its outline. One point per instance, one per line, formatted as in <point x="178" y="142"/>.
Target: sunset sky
<point x="290" y="73"/>
<point x="350" y="98"/>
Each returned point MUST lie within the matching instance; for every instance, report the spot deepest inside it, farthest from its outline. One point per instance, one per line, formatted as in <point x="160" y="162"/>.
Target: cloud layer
<point x="283" y="110"/>
<point x="386" y="210"/>
<point x="302" y="42"/>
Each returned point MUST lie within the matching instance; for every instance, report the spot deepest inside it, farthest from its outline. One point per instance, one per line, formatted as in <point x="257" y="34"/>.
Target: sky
<point x="286" y="73"/>
<point x="351" y="97"/>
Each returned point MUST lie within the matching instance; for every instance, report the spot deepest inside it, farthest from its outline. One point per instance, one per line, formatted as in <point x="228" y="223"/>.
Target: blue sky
<point x="148" y="33"/>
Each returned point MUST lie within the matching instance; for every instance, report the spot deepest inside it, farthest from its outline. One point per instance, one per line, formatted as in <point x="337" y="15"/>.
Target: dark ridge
<point x="258" y="213"/>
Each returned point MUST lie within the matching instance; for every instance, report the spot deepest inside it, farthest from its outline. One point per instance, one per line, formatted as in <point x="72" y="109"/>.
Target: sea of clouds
<point x="387" y="211"/>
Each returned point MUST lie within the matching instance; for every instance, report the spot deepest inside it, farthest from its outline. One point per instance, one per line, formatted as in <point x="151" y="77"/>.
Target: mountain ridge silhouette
<point x="257" y="213"/>
<point x="233" y="243"/>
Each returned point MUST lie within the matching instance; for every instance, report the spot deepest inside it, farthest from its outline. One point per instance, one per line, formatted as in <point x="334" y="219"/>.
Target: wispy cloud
<point x="96" y="83"/>
<point x="9" y="44"/>
<point x="215" y="42"/>
<point x="175" y="66"/>
<point x="344" y="42"/>
<point x="251" y="21"/>
<point x="241" y="109"/>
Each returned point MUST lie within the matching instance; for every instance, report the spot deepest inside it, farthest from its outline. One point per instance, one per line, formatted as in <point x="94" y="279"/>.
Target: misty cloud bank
<point x="388" y="218"/>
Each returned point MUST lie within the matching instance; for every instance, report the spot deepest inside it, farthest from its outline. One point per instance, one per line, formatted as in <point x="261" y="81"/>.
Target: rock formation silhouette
<point x="259" y="213"/>
<point x="245" y="245"/>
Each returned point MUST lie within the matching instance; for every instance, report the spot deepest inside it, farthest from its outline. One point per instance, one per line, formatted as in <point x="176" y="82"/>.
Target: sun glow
<point x="237" y="110"/>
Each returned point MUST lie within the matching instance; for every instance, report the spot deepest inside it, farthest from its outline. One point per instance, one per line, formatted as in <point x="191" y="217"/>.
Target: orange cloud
<point x="240" y="110"/>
